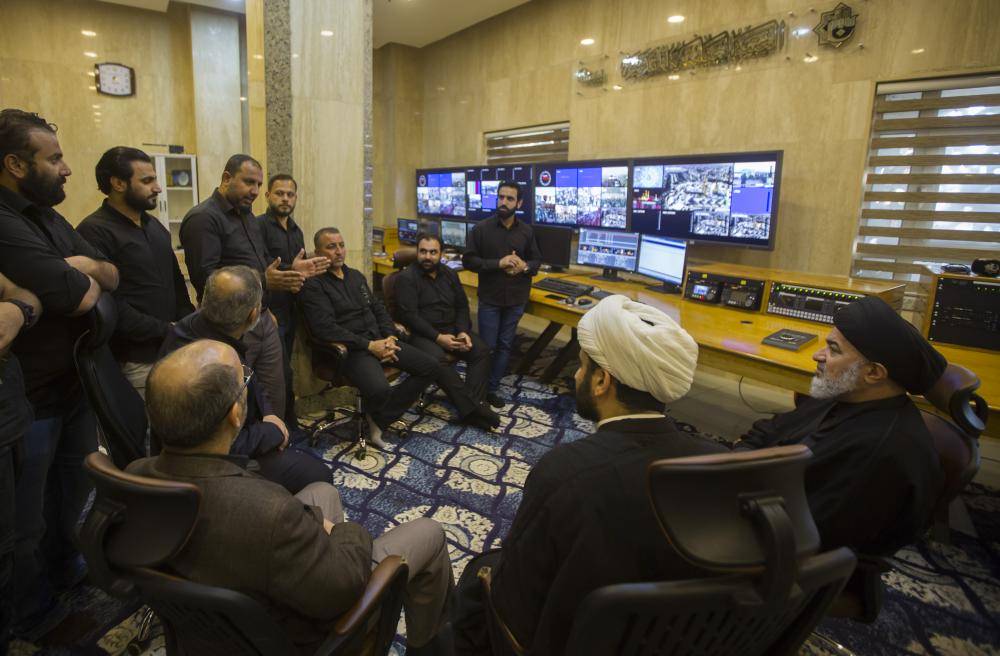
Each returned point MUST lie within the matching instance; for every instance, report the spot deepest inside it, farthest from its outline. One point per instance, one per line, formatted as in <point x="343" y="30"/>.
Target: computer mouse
<point x="584" y="301"/>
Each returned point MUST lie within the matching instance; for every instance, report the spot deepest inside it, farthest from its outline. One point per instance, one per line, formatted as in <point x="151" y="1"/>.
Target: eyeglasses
<point x="247" y="375"/>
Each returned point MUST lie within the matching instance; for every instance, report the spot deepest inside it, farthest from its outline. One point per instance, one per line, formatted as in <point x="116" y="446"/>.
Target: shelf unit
<point x="176" y="199"/>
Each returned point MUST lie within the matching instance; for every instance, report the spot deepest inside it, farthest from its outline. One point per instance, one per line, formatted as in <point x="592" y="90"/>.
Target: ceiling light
<point x="675" y="76"/>
<point x="97" y="113"/>
<point x="92" y="87"/>
<point x="587" y="42"/>
<point x="88" y="32"/>
<point x="91" y="73"/>
<point x="676" y="18"/>
<point x="96" y="106"/>
<point x="243" y="98"/>
<point x="258" y="56"/>
<point x="801" y="31"/>
<point x="810" y="58"/>
<point x="326" y="33"/>
<point x="90" y="54"/>
<point x="917" y="51"/>
<point x="617" y="87"/>
<point x="295" y="55"/>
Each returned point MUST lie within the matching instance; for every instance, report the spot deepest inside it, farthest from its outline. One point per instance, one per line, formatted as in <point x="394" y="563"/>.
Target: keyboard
<point x="454" y="265"/>
<point x="600" y="293"/>
<point x="564" y="287"/>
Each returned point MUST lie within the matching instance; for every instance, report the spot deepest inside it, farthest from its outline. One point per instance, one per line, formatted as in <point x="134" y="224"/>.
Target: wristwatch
<point x="26" y="309"/>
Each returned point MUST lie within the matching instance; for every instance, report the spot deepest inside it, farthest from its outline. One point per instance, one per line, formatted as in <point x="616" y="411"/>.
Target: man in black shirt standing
<point x="19" y="309"/>
<point x="284" y="239"/>
<point x="222" y="231"/>
<point x="40" y="251"/>
<point x="503" y="251"/>
<point x="339" y="308"/>
<point x="152" y="294"/>
<point x="433" y="305"/>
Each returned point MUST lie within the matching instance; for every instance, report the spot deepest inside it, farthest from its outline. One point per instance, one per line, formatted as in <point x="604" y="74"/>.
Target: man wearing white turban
<point x="585" y="520"/>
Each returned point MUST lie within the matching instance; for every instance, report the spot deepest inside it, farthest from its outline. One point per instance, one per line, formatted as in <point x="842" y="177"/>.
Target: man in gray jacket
<point x="295" y="554"/>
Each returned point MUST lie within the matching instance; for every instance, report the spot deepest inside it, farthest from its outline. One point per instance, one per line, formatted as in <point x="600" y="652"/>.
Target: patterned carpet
<point x="940" y="599"/>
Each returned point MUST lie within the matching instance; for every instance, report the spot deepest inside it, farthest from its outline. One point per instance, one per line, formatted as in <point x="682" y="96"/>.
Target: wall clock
<point x="115" y="79"/>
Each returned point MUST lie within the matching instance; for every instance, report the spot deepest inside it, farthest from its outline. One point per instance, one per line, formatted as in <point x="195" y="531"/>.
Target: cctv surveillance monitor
<point x="430" y="227"/>
<point x="583" y="194"/>
<point x="611" y="250"/>
<point x="721" y="199"/>
<point x="556" y="245"/>
<point x="453" y="234"/>
<point x="663" y="259"/>
<point x="441" y="192"/>
<point x="408" y="231"/>
<point x="483" y="182"/>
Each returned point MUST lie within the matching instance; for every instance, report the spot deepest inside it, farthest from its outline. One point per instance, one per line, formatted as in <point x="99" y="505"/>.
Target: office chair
<point x="120" y="411"/>
<point x="137" y="524"/>
<point x="741" y="516"/>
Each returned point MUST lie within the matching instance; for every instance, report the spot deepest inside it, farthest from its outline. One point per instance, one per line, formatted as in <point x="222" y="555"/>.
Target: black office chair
<point x="741" y="515"/>
<point x="120" y="411"/>
<point x="138" y="524"/>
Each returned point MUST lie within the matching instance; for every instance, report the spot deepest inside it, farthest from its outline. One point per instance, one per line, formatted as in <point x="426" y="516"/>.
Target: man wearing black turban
<point x="874" y="476"/>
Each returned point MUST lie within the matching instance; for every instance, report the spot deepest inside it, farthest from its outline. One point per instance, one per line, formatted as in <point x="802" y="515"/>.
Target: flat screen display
<point x="608" y="249"/>
<point x="728" y="199"/>
<point x="555" y="244"/>
<point x="481" y="185"/>
<point x="408" y="230"/>
<point x="662" y="258"/>
<point x="583" y="194"/>
<point x="453" y="234"/>
<point x="441" y="192"/>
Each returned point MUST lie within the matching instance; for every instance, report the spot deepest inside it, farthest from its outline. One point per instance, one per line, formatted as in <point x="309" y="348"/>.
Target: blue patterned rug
<point x="940" y="599"/>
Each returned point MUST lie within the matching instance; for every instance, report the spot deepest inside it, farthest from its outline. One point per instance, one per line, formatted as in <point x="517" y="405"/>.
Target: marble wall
<point x="515" y="70"/>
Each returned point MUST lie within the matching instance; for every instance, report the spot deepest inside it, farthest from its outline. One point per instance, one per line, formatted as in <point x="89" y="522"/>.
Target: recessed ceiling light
<point x="90" y="54"/>
<point x="326" y="33"/>
<point x="92" y="87"/>
<point x="243" y="98"/>
<point x="258" y="56"/>
<point x="88" y="32"/>
<point x="676" y="18"/>
<point x="587" y="42"/>
<point x="917" y="51"/>
<point x="617" y="87"/>
<point x="675" y="76"/>
<point x="96" y="106"/>
<point x="91" y="73"/>
<point x="810" y="58"/>
<point x="295" y="55"/>
<point x="801" y="31"/>
<point x="97" y="113"/>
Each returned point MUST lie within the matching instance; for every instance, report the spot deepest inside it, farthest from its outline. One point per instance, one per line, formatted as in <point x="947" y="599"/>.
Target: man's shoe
<point x="495" y="400"/>
<point x="491" y="417"/>
<point x="476" y="420"/>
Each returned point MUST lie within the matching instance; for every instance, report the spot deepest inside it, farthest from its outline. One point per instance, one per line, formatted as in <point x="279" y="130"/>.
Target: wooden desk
<point x="728" y="339"/>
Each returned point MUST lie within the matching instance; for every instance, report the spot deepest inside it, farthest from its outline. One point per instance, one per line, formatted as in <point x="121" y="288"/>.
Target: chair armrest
<point x="378" y="585"/>
<point x="485" y="575"/>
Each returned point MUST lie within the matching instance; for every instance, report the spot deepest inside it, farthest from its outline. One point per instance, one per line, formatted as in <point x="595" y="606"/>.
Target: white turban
<point x="640" y="346"/>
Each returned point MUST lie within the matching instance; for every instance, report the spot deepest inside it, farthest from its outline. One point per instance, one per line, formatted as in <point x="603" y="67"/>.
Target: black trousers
<point x="469" y="614"/>
<point x="293" y="469"/>
<point x="477" y="359"/>
<point x="7" y="475"/>
<point x="382" y="401"/>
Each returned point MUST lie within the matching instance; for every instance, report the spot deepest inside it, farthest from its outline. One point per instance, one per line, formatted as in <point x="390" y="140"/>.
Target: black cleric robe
<point x="874" y="477"/>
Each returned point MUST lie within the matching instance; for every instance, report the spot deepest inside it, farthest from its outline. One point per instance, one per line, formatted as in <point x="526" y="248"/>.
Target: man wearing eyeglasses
<point x="230" y="308"/>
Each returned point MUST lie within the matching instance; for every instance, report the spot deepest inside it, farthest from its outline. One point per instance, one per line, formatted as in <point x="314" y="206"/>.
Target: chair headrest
<point x="155" y="517"/>
<point x="404" y="257"/>
<point x="699" y="502"/>
<point x="101" y="320"/>
<point x="954" y="395"/>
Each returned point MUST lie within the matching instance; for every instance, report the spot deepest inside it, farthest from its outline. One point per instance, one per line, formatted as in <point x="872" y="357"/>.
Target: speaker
<point x="985" y="266"/>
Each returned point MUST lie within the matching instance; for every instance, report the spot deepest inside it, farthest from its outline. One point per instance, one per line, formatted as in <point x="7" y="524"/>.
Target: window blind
<point x="539" y="143"/>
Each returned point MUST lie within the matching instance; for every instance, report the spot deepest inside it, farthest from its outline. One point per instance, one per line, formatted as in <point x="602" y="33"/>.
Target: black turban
<point x="883" y="336"/>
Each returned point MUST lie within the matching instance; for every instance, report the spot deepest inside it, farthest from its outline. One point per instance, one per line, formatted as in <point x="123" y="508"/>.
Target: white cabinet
<point x="178" y="176"/>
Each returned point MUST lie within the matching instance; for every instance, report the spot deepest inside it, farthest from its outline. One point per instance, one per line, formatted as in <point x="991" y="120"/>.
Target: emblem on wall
<point x="836" y="27"/>
<point x="589" y="77"/>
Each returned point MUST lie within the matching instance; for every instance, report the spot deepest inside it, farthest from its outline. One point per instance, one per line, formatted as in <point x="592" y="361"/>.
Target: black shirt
<point x="491" y="242"/>
<point x="215" y="234"/>
<point x="874" y="476"/>
<point x="152" y="292"/>
<point x="15" y="411"/>
<point x="345" y="310"/>
<point x="431" y="306"/>
<point x="34" y="242"/>
<point x="585" y="521"/>
<point x="285" y="244"/>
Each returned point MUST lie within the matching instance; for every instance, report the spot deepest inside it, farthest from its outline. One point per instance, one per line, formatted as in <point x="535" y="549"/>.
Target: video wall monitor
<point x="611" y="250"/>
<point x="556" y="245"/>
<point x="453" y="234"/>
<point x="483" y="182"/>
<point x="441" y="192"/>
<point x="408" y="231"/>
<point x="662" y="258"/>
<point x="583" y="194"/>
<point x="469" y="227"/>
<point x="430" y="227"/>
<point x="723" y="199"/>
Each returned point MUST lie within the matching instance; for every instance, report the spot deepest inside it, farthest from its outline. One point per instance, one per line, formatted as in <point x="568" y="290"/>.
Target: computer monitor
<point x="378" y="236"/>
<point x="663" y="259"/>
<point x="611" y="250"/>
<point x="430" y="227"/>
<point x="723" y="199"/>
<point x="583" y="194"/>
<point x="483" y="182"/>
<point x="408" y="230"/>
<point x="556" y="245"/>
<point x="441" y="192"/>
<point x="453" y="234"/>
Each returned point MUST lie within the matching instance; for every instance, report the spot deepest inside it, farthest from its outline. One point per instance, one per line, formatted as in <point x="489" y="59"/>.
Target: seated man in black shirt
<point x="585" y="519"/>
<point x="152" y="294"/>
<point x="339" y="308"/>
<point x="229" y="309"/>
<point x="874" y="477"/>
<point x="433" y="306"/>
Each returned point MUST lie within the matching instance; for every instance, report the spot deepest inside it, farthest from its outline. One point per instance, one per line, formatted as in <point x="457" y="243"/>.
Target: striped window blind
<point x="932" y="185"/>
<point x="540" y="143"/>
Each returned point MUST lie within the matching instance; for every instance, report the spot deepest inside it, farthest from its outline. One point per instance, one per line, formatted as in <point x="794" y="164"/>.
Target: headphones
<point x="986" y="267"/>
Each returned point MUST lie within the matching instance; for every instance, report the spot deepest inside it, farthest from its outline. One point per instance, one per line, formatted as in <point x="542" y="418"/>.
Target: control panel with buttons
<point x="809" y="303"/>
<point x="731" y="291"/>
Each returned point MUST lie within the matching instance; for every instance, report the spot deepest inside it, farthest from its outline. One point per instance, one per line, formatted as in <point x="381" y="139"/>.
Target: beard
<point x="139" y="202"/>
<point x="40" y="190"/>
<point x="504" y="212"/>
<point x="585" y="406"/>
<point x="282" y="211"/>
<point x="428" y="265"/>
<point x="825" y="387"/>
